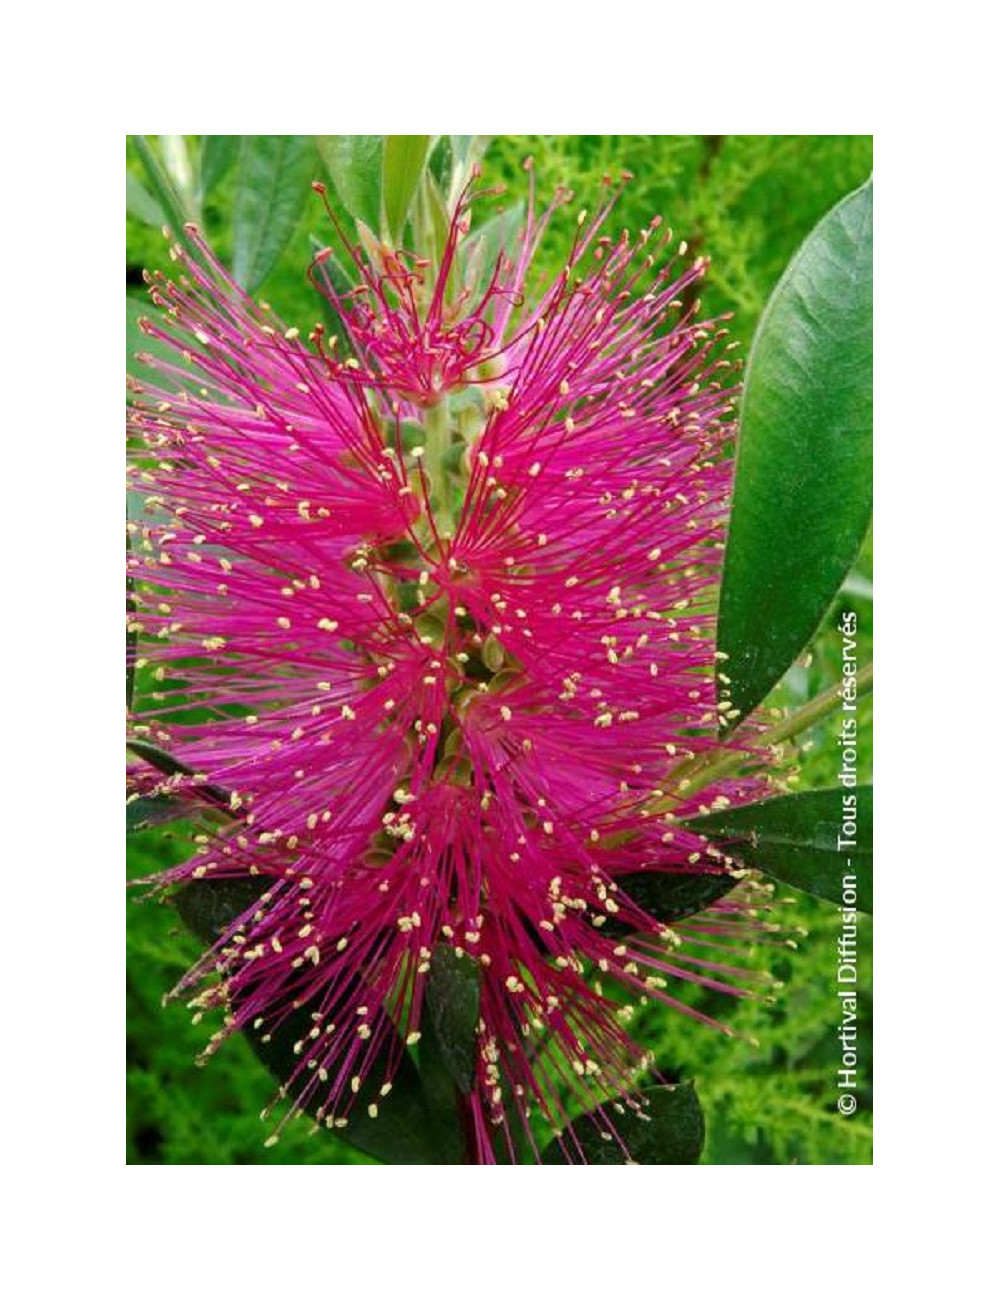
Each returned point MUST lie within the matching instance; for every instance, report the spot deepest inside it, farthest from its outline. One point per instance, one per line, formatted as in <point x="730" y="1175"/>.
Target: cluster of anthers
<point x="423" y="607"/>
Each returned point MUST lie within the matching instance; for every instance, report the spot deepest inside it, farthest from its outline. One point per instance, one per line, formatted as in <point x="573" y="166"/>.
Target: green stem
<point x="829" y="701"/>
<point x="437" y="427"/>
<point x="816" y="709"/>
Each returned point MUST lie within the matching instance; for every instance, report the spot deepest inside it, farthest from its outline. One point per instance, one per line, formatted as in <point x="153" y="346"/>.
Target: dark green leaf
<point x="441" y="160"/>
<point x="354" y="163"/>
<point x="143" y="812"/>
<point x="404" y="1130"/>
<point x="672" y="1132"/>
<point x="671" y="896"/>
<point x="140" y="204"/>
<point x="451" y="1016"/>
<point x="159" y="758"/>
<point x="218" y="154"/>
<point x="794" y="838"/>
<point x="403" y="161"/>
<point x="209" y="907"/>
<point x="272" y="184"/>
<point x="170" y="766"/>
<point x="803" y="495"/>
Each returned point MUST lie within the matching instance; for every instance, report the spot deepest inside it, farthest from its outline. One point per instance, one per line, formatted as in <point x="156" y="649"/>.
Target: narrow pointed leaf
<point x="672" y="1132"/>
<point x="403" y="160"/>
<point x="272" y="185"/>
<point x="803" y="494"/>
<point x="794" y="839"/>
<point x="354" y="163"/>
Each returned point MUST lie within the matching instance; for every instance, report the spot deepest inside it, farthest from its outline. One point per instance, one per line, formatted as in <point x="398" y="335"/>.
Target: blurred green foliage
<point x="769" y="1089"/>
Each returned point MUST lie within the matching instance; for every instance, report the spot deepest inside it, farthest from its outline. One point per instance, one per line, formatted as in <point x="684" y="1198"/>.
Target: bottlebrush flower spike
<point x="438" y="617"/>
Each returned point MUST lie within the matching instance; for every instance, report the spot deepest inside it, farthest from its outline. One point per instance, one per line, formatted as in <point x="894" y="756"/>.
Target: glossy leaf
<point x="177" y="162"/>
<point x="354" y="163"/>
<point x="272" y="185"/>
<point x="670" y="896"/>
<point x="670" y="1132"/>
<point x="403" y="160"/>
<point x="794" y="839"/>
<point x="803" y="493"/>
<point x="452" y="1014"/>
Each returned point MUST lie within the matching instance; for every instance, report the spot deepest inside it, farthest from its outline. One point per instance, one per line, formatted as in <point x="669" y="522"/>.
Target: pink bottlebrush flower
<point x="438" y="618"/>
<point x="415" y="339"/>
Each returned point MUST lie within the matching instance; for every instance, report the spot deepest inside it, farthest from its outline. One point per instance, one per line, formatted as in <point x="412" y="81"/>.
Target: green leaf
<point x="140" y="204"/>
<point x="170" y="766"/>
<point x="451" y="1016"/>
<point x="272" y="185"/>
<point x="354" y="163"/>
<point x="432" y="214"/>
<point x="218" y="154"/>
<point x="158" y="758"/>
<point x="136" y="341"/>
<point x="794" y="839"/>
<point x="671" y="896"/>
<point x="672" y="1132"/>
<point x="209" y="907"/>
<point x="403" y="160"/>
<point x="498" y="235"/>
<point x="856" y="584"/>
<point x="803" y="494"/>
<point x="406" y="1130"/>
<point x="144" y="812"/>
<point x="466" y="151"/>
<point x="175" y="211"/>
<point x="131" y="636"/>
